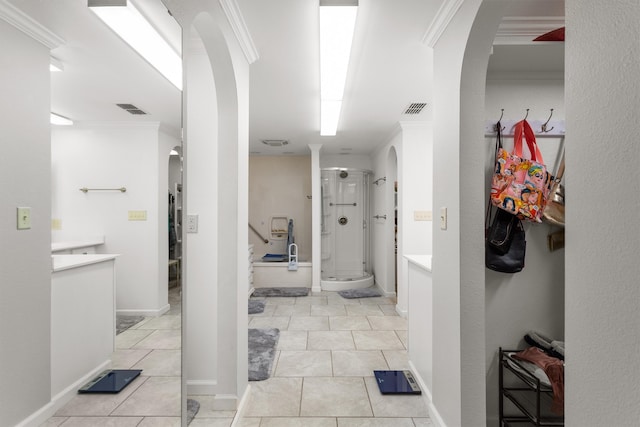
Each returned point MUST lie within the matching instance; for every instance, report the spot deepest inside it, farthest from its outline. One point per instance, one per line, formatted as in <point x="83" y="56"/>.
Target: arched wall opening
<point x="461" y="55"/>
<point x="215" y="207"/>
<point x="391" y="232"/>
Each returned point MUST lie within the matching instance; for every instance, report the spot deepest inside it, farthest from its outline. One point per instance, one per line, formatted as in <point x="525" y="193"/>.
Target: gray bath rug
<point x="125" y="322"/>
<point x="256" y="306"/>
<point x="262" y="351"/>
<point x="193" y="406"/>
<point x="360" y="293"/>
<point x="280" y="292"/>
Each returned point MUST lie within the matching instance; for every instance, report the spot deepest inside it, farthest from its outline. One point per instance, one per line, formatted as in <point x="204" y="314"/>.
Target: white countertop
<point x="65" y="262"/>
<point x="74" y="244"/>
<point x="422" y="261"/>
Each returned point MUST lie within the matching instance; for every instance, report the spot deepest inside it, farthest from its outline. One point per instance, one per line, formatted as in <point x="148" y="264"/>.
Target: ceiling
<point x="387" y="70"/>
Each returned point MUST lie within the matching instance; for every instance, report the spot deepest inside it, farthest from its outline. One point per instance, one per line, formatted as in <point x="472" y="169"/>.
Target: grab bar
<point x="343" y="204"/>
<point x="259" y="235"/>
<point x="380" y="216"/>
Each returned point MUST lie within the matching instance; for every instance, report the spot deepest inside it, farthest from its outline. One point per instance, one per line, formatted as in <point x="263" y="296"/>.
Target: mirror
<point x="127" y="119"/>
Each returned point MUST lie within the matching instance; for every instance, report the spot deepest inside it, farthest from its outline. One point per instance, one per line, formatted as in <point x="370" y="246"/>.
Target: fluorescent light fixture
<point x="337" y="24"/>
<point x="127" y="22"/>
<point x="55" y="64"/>
<point x="57" y="119"/>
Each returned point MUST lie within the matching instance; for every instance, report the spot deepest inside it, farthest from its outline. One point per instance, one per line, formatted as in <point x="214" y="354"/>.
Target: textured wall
<point x="603" y="239"/>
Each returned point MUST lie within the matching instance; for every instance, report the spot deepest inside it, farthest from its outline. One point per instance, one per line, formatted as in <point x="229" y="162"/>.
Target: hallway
<point x="323" y="369"/>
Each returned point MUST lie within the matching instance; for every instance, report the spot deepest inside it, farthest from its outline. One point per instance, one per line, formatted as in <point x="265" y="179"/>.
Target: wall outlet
<point x="24" y="218"/>
<point x="56" y="224"/>
<point x="192" y="223"/>
<point x="137" y="215"/>
<point x="422" y="216"/>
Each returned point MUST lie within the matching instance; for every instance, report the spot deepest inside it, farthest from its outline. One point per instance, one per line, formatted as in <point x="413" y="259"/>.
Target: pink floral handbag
<point x="521" y="185"/>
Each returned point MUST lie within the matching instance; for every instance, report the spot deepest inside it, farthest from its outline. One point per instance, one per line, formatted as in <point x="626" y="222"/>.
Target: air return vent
<point x="275" y="142"/>
<point x="131" y="109"/>
<point x="415" y="108"/>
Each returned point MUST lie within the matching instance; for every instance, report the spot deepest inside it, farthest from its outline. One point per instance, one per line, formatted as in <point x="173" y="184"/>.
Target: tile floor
<point x="152" y="399"/>
<point x="322" y="374"/>
<point x="323" y="371"/>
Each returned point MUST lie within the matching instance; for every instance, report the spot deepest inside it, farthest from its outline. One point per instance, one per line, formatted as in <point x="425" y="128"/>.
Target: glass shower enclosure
<point x="345" y="229"/>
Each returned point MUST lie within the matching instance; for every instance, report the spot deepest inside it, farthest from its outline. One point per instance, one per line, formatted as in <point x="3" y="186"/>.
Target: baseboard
<point x="383" y="292"/>
<point x="242" y="407"/>
<point x="146" y="313"/>
<point x="436" y="419"/>
<point x="201" y="387"/>
<point x="401" y="313"/>
<point x="426" y="392"/>
<point x="59" y="400"/>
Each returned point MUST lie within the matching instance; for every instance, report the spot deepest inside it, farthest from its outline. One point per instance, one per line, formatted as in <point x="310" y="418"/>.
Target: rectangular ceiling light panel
<point x="126" y="21"/>
<point x="337" y="24"/>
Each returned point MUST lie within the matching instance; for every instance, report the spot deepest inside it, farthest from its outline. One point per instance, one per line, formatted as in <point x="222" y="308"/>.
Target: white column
<point x="316" y="237"/>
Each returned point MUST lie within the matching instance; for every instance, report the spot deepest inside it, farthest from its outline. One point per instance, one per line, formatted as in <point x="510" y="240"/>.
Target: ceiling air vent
<point x="275" y="142"/>
<point x="415" y="108"/>
<point x="132" y="109"/>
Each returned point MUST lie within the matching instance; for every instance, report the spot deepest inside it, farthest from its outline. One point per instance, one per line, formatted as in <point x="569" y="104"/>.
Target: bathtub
<point x="277" y="274"/>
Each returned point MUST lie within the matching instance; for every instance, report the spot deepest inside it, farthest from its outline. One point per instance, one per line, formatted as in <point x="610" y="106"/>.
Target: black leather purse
<point x="506" y="244"/>
<point x="505" y="239"/>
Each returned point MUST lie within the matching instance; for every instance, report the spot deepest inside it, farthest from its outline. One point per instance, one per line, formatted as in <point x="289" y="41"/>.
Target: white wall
<point x="216" y="189"/>
<point x="356" y="161"/>
<point x="458" y="252"/>
<point x="134" y="156"/>
<point x="383" y="255"/>
<point x="534" y="298"/>
<point x="279" y="186"/>
<point x="412" y="143"/>
<point x="602" y="268"/>
<point x="25" y="262"/>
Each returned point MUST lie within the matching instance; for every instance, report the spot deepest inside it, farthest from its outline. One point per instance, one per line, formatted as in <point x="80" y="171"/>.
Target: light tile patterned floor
<point x="322" y="375"/>
<point x="323" y="372"/>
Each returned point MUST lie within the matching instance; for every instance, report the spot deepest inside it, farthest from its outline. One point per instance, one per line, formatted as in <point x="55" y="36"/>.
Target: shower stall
<point x="345" y="229"/>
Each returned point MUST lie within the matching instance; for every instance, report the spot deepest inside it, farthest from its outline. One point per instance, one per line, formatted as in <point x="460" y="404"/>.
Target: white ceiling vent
<point x="275" y="142"/>
<point x="415" y="108"/>
<point x="131" y="109"/>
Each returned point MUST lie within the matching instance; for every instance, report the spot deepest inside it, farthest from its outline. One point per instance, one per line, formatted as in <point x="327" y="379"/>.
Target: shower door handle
<point x="343" y="204"/>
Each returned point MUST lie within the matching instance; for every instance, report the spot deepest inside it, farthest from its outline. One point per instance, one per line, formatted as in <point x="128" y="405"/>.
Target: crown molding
<point x="239" y="27"/>
<point x="29" y="26"/>
<point x="443" y="17"/>
<point x="523" y="29"/>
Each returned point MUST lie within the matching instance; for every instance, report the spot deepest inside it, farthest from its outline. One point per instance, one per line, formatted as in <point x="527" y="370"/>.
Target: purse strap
<point x="487" y="216"/>
<point x="524" y="128"/>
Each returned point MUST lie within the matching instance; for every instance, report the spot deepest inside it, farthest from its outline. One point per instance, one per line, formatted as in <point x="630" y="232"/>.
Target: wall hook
<point x="499" y="120"/>
<point x="527" y="115"/>
<point x="544" y="125"/>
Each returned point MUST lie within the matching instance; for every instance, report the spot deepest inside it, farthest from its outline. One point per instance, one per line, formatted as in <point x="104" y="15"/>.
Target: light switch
<point x="24" y="218"/>
<point x="443" y="218"/>
<point x="192" y="223"/>
<point x="422" y="215"/>
<point x="137" y="215"/>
